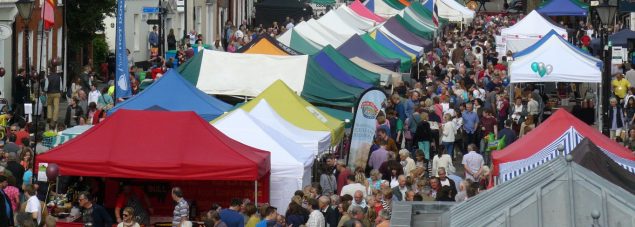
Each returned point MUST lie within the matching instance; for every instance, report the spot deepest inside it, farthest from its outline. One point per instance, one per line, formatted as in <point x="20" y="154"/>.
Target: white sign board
<point x="501" y="46"/>
<point x="617" y="56"/>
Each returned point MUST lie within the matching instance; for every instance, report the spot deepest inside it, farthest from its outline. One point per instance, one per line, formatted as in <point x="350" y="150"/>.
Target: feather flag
<point x="122" y="79"/>
<point x="48" y="13"/>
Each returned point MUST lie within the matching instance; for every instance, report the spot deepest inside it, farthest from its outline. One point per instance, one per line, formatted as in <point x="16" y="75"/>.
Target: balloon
<point x="2" y="71"/>
<point x="541" y="66"/>
<point x="52" y="171"/>
<point x="55" y="62"/>
<point x="549" y="69"/>
<point x="542" y="71"/>
<point x="534" y="66"/>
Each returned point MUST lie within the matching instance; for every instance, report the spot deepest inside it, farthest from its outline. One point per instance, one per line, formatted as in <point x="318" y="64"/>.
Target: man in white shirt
<point x="33" y="204"/>
<point x="93" y="95"/>
<point x="316" y="218"/>
<point x="473" y="163"/>
<point x="399" y="192"/>
<point x="533" y="107"/>
<point x="352" y="187"/>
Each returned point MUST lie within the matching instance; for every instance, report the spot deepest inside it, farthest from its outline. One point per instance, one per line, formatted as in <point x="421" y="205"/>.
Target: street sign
<point x="153" y="21"/>
<point x="150" y="9"/>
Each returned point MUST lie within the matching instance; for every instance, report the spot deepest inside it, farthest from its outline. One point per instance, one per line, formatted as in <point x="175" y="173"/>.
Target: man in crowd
<point x="316" y="218"/>
<point x="383" y="219"/>
<point x="331" y="216"/>
<point x="352" y="187"/>
<point x="54" y="85"/>
<point x="379" y="156"/>
<point x="473" y="163"/>
<point x="231" y="216"/>
<point x="6" y="213"/>
<point x="399" y="191"/>
<point x="342" y="176"/>
<point x="470" y="124"/>
<point x="359" y="201"/>
<point x="269" y="217"/>
<point x="93" y="214"/>
<point x="445" y="181"/>
<point x="181" y="210"/>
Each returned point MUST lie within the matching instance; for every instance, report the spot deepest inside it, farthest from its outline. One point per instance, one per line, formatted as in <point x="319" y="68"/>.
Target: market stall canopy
<point x="337" y="71"/>
<point x="333" y="38"/>
<point x="316" y="141"/>
<point x="562" y="8"/>
<point x="361" y="10"/>
<point x="593" y="158"/>
<point x="454" y="11"/>
<point x="291" y="164"/>
<point x="418" y="28"/>
<point x="297" y="111"/>
<point x="66" y="135"/>
<point x="222" y="73"/>
<point x="319" y="36"/>
<point x="269" y="11"/>
<point x="540" y="145"/>
<point x="356" y="47"/>
<point x="406" y="60"/>
<point x="323" y="88"/>
<point x="396" y="30"/>
<point x="542" y="62"/>
<point x="387" y="77"/>
<point x="387" y="39"/>
<point x="173" y="93"/>
<point x="418" y="20"/>
<point x="621" y="38"/>
<point x="264" y="44"/>
<point x="382" y="8"/>
<point x="338" y="27"/>
<point x="350" y="67"/>
<point x="354" y="20"/>
<point x="528" y="31"/>
<point x="557" y="193"/>
<point x="422" y="11"/>
<point x="180" y="146"/>
<point x="294" y="40"/>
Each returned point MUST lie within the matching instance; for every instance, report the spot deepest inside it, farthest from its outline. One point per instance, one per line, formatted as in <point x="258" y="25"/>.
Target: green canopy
<point x="395" y="4"/>
<point x="303" y="45"/>
<point x="576" y="2"/>
<point x="416" y="28"/>
<point x="411" y="15"/>
<point x="320" y="87"/>
<point x="323" y="2"/>
<point x="351" y="68"/>
<point x="426" y="14"/>
<point x="406" y="62"/>
<point x="191" y="68"/>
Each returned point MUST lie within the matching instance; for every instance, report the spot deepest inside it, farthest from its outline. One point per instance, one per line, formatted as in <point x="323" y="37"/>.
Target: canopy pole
<point x="256" y="192"/>
<point x="598" y="111"/>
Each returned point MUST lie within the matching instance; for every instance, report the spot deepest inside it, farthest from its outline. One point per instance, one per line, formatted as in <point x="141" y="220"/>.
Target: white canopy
<point x="453" y="11"/>
<point x="335" y="39"/>
<point x="223" y="73"/>
<point x="288" y="159"/>
<point x="528" y="31"/>
<point x="416" y="17"/>
<point x="315" y="141"/>
<point x="305" y="31"/>
<point x="382" y="9"/>
<point x="387" y="77"/>
<point x="545" y="62"/>
<point x="354" y="20"/>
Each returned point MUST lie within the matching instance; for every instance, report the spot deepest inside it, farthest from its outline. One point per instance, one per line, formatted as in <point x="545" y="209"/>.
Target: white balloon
<point x="541" y="65"/>
<point x="549" y="69"/>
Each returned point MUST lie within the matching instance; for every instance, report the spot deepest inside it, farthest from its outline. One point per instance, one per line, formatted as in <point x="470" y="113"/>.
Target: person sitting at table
<point x="128" y="220"/>
<point x="135" y="198"/>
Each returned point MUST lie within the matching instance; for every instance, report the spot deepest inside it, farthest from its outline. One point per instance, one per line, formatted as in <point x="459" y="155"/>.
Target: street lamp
<point x="25" y="8"/>
<point x="606" y="14"/>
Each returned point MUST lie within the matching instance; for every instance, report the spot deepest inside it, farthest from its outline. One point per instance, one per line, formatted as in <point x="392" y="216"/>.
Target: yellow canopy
<point x="264" y="46"/>
<point x="297" y="111"/>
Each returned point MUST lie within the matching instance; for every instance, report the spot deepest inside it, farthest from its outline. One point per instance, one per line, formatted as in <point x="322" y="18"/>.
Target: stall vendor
<point x="93" y="215"/>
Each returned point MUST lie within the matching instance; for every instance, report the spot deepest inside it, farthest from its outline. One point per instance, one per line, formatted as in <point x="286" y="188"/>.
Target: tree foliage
<point x="84" y="18"/>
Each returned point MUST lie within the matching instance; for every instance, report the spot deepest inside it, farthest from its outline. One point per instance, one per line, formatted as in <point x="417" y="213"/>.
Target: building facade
<point x="206" y="17"/>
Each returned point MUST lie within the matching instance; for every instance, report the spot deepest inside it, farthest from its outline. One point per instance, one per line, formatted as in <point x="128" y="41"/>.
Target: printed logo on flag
<point x="369" y="110"/>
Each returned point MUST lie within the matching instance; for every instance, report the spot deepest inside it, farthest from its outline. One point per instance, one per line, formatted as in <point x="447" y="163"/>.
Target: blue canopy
<point x="331" y="67"/>
<point x="356" y="47"/>
<point x="621" y="38"/>
<point x="394" y="45"/>
<point x="173" y="93"/>
<point x="562" y="8"/>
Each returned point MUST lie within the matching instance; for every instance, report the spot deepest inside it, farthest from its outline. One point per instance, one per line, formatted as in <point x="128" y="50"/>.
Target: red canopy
<point x="158" y="145"/>
<point x="541" y="144"/>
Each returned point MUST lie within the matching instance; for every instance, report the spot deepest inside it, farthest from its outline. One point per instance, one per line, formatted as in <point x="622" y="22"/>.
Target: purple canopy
<point x="394" y="27"/>
<point x="562" y="8"/>
<point x="337" y="72"/>
<point x="356" y="47"/>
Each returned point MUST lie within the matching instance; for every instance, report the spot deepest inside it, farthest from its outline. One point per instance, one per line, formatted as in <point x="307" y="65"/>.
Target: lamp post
<point x="606" y="14"/>
<point x="25" y="8"/>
